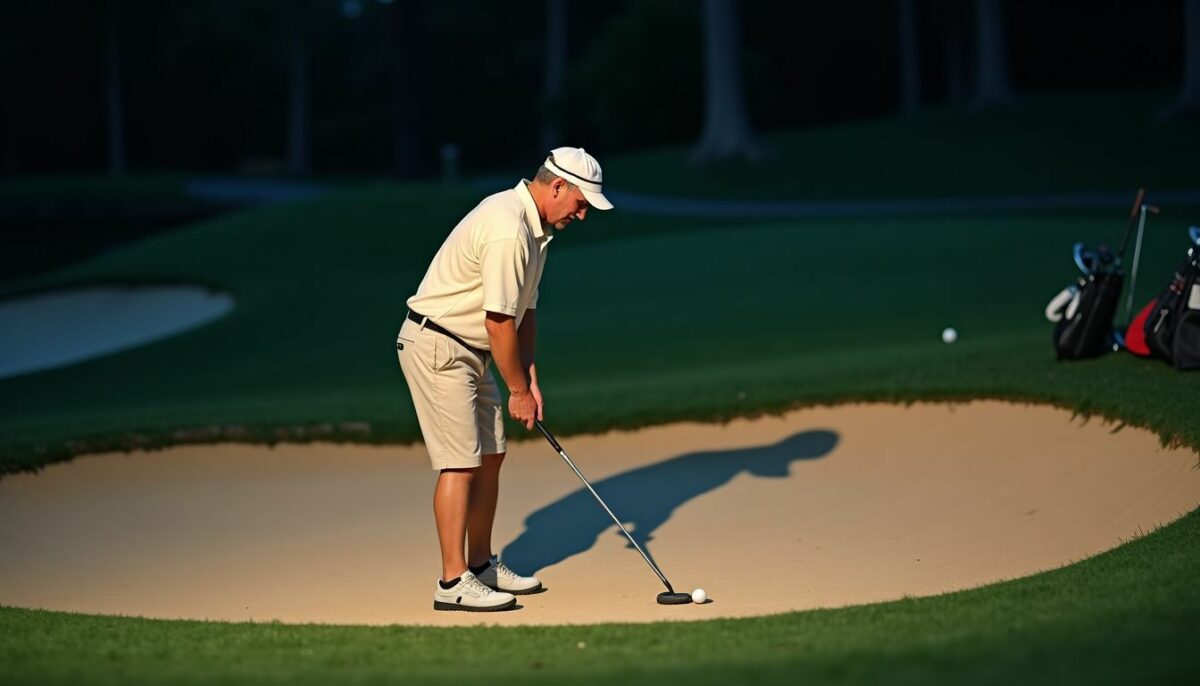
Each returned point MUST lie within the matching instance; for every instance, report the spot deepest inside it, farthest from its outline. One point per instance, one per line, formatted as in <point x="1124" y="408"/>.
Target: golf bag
<point x="1172" y="324"/>
<point x="1087" y="331"/>
<point x="1083" y="312"/>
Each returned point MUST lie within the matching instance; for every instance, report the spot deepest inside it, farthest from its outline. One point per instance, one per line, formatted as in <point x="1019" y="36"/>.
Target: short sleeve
<point x="502" y="270"/>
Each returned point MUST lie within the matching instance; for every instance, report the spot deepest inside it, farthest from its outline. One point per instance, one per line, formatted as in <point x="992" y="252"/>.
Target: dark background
<point x="205" y="83"/>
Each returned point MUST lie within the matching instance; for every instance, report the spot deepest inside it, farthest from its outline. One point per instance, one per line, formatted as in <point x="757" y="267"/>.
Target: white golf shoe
<point x="470" y="595"/>
<point x="499" y="577"/>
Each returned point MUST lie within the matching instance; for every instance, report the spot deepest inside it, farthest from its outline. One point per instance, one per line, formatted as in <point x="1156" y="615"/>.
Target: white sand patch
<point x="55" y="329"/>
<point x="853" y="504"/>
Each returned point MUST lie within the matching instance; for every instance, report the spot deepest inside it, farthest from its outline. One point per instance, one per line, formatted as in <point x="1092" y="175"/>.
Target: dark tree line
<point x="383" y="83"/>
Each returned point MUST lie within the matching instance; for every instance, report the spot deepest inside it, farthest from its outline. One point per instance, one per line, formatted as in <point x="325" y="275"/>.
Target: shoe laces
<point x="503" y="570"/>
<point x="474" y="584"/>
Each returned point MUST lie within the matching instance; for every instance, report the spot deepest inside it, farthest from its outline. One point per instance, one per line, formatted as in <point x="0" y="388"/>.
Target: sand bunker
<point x="850" y="505"/>
<point x="49" y="330"/>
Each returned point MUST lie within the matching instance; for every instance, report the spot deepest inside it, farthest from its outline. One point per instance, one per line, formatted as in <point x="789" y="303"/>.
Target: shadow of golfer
<point x="646" y="497"/>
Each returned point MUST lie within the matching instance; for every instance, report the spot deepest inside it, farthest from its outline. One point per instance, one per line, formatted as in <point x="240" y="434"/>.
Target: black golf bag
<point x="1087" y="329"/>
<point x="1173" y="327"/>
<point x="1083" y="312"/>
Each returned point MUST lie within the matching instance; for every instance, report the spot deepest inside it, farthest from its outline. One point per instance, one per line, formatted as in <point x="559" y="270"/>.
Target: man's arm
<point x="527" y="337"/>
<point x="507" y="352"/>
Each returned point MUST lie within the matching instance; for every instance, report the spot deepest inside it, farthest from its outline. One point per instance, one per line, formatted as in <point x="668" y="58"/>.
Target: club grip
<point x="1137" y="202"/>
<point x="549" y="436"/>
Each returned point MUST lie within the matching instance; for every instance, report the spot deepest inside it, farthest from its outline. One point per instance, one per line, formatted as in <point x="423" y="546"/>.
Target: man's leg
<point x="481" y="510"/>
<point x="451" y="497"/>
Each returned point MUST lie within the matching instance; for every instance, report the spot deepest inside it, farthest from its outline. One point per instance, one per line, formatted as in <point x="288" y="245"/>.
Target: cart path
<point x="238" y="191"/>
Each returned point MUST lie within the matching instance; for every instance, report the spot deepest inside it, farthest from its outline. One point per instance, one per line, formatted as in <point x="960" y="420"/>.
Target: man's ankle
<point x="477" y="565"/>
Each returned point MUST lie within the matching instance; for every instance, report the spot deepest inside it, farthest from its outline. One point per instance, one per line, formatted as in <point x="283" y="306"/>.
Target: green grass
<point x="95" y="188"/>
<point x="644" y="321"/>
<point x="784" y="313"/>
<point x="1047" y="143"/>
<point x="1128" y="616"/>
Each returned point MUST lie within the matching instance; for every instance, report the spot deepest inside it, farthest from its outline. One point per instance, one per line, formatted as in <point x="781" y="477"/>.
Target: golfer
<point x="478" y="304"/>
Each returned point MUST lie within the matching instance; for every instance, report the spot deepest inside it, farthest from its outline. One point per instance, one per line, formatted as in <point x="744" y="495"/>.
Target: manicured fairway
<point x="1046" y="143"/>
<point x="705" y="323"/>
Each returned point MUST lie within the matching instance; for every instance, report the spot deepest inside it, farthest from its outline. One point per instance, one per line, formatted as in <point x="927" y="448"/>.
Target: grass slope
<point x="1046" y="143"/>
<point x="657" y="321"/>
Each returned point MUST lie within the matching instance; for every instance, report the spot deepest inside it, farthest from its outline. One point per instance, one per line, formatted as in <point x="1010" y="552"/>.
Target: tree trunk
<point x="555" y="62"/>
<point x="297" y="136"/>
<point x="726" y="126"/>
<point x="910" y="75"/>
<point x="992" y="88"/>
<point x="955" y="88"/>
<point x="113" y="93"/>
<point x="405" y="36"/>
<point x="1189" y="94"/>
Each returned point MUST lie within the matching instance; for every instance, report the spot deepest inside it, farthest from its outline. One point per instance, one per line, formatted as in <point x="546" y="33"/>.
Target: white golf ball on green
<point x="949" y="335"/>
<point x="699" y="596"/>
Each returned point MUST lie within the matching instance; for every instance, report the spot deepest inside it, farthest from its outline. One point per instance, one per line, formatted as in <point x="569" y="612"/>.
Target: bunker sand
<point x="852" y="504"/>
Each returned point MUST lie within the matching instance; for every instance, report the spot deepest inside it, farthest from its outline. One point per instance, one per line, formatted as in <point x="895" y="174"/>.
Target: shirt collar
<point x="531" y="212"/>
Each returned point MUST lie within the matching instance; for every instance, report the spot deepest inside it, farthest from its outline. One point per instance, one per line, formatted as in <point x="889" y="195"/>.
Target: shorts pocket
<point x="443" y="353"/>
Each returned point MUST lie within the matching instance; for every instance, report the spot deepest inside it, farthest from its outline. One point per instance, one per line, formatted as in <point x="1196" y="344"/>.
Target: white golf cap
<point x="581" y="169"/>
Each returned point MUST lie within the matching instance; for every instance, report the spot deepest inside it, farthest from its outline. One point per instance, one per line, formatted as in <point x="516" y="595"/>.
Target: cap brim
<point x="596" y="200"/>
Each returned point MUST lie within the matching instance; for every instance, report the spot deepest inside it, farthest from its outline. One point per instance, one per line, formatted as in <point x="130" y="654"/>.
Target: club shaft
<point x="1137" y="254"/>
<point x="1133" y="215"/>
<point x="563" y="454"/>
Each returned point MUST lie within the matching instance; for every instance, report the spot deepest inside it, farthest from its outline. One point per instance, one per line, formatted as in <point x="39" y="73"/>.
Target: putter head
<point x="668" y="598"/>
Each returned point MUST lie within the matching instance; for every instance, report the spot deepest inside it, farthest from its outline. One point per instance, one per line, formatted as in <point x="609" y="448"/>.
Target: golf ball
<point x="949" y="335"/>
<point x="699" y="596"/>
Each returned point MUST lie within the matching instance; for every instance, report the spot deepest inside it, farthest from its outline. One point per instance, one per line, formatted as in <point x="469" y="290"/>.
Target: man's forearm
<point x="527" y="339"/>
<point x="506" y="351"/>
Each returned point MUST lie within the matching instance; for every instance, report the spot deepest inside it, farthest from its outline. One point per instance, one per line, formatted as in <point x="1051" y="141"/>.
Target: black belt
<point x="433" y="326"/>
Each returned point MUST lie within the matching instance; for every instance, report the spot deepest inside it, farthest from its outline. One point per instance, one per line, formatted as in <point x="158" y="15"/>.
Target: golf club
<point x="1085" y="259"/>
<point x="1137" y="255"/>
<point x="1133" y="216"/>
<point x="669" y="597"/>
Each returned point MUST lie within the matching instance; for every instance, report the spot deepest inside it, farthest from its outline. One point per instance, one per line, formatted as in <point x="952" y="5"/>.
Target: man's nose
<point x="581" y="213"/>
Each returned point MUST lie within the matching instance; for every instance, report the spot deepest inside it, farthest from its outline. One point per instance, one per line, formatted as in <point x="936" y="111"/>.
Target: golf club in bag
<point x="1083" y="312"/>
<point x="668" y="597"/>
<point x="1169" y="326"/>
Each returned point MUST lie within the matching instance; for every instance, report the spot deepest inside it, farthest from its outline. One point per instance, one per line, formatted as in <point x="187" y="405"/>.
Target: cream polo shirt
<point x="491" y="262"/>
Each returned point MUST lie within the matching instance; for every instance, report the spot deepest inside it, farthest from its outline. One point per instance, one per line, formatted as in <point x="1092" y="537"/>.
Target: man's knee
<point x="459" y="474"/>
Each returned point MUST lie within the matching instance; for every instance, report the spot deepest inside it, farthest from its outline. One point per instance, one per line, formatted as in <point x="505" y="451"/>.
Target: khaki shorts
<point x="455" y="395"/>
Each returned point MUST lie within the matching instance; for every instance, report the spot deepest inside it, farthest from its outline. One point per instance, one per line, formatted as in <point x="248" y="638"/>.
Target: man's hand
<point x="525" y="407"/>
<point x="537" y="396"/>
<point x="525" y="398"/>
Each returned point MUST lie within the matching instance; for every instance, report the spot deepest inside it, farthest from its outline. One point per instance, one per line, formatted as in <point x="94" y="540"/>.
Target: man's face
<point x="567" y="205"/>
